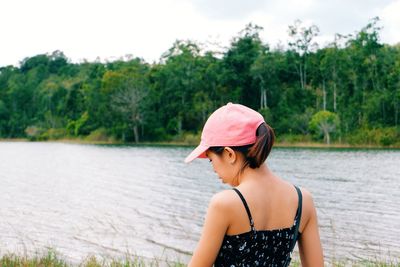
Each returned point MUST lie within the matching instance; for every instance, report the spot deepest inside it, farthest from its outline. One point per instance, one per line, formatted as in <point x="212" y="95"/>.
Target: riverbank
<point x="53" y="259"/>
<point x="191" y="143"/>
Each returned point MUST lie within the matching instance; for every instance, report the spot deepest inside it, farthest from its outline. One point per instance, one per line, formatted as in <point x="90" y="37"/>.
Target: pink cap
<point x="230" y="125"/>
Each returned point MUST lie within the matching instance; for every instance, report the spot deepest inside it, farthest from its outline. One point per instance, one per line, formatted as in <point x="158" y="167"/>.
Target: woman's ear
<point x="231" y="154"/>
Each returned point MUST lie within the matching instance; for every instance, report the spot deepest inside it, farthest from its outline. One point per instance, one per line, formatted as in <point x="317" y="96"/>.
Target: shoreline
<point x="315" y="145"/>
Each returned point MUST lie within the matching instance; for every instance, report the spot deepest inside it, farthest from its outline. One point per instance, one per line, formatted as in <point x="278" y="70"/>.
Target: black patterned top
<point x="260" y="248"/>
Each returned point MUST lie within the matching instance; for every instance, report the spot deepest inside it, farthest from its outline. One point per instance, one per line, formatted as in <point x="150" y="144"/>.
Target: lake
<point x="113" y="201"/>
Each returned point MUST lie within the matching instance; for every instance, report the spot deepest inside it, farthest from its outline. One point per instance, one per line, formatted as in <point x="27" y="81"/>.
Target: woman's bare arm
<point x="309" y="243"/>
<point x="214" y="229"/>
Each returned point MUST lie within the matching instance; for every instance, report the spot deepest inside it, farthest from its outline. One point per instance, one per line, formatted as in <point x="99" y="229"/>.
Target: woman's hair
<point x="254" y="154"/>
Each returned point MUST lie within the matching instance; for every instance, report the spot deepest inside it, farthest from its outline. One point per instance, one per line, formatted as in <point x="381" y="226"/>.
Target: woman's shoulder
<point x="308" y="208"/>
<point x="224" y="200"/>
<point x="308" y="201"/>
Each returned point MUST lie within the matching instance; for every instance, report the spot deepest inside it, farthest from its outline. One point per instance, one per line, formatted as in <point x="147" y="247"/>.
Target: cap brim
<point x="198" y="152"/>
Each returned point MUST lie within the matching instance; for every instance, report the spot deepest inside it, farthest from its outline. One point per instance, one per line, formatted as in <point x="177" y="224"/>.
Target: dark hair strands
<point x="259" y="152"/>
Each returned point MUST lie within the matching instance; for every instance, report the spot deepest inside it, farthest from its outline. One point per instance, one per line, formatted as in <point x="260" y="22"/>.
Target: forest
<point x="347" y="92"/>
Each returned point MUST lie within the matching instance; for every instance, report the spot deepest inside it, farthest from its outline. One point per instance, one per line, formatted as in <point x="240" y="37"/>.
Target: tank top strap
<point x="247" y="208"/>
<point x="299" y="208"/>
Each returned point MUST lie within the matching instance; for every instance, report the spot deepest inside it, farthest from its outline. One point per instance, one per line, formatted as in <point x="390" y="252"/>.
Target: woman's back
<point x="266" y="238"/>
<point x="272" y="202"/>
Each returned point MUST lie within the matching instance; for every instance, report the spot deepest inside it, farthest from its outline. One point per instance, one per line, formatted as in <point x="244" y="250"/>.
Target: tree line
<point x="347" y="91"/>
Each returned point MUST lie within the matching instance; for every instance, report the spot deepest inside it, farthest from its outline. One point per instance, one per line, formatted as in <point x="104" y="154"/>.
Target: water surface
<point x="117" y="200"/>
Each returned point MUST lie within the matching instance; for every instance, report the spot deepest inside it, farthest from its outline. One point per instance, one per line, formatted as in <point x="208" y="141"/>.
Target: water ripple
<point x="118" y="200"/>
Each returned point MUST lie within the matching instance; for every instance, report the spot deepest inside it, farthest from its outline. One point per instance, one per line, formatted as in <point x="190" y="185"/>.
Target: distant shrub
<point x="187" y="138"/>
<point x="377" y="136"/>
<point x="33" y="132"/>
<point x="162" y="134"/>
<point x="389" y="136"/>
<point x="99" y="135"/>
<point x="53" y="134"/>
<point x="76" y="127"/>
<point x="293" y="138"/>
<point x="191" y="139"/>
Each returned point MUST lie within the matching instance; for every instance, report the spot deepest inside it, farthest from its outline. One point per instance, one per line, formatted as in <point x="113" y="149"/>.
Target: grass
<point x="52" y="259"/>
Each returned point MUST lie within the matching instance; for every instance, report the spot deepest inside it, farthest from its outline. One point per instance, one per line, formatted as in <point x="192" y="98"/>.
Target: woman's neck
<point x="262" y="173"/>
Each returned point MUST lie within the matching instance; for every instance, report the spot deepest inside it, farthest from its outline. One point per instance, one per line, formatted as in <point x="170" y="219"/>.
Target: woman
<point x="259" y="221"/>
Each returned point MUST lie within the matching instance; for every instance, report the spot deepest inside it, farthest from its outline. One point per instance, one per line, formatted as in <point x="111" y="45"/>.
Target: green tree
<point x="127" y="101"/>
<point x="237" y="63"/>
<point x="324" y="122"/>
<point x="302" y="43"/>
<point x="178" y="81"/>
<point x="127" y="88"/>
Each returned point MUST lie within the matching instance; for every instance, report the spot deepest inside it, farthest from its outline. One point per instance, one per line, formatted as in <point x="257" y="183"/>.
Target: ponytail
<point x="260" y="150"/>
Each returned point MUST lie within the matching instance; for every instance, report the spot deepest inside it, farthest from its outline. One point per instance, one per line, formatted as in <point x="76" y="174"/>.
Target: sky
<point x="110" y="29"/>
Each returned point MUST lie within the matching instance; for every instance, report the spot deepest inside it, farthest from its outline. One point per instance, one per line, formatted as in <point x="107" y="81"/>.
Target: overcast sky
<point x="86" y="29"/>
